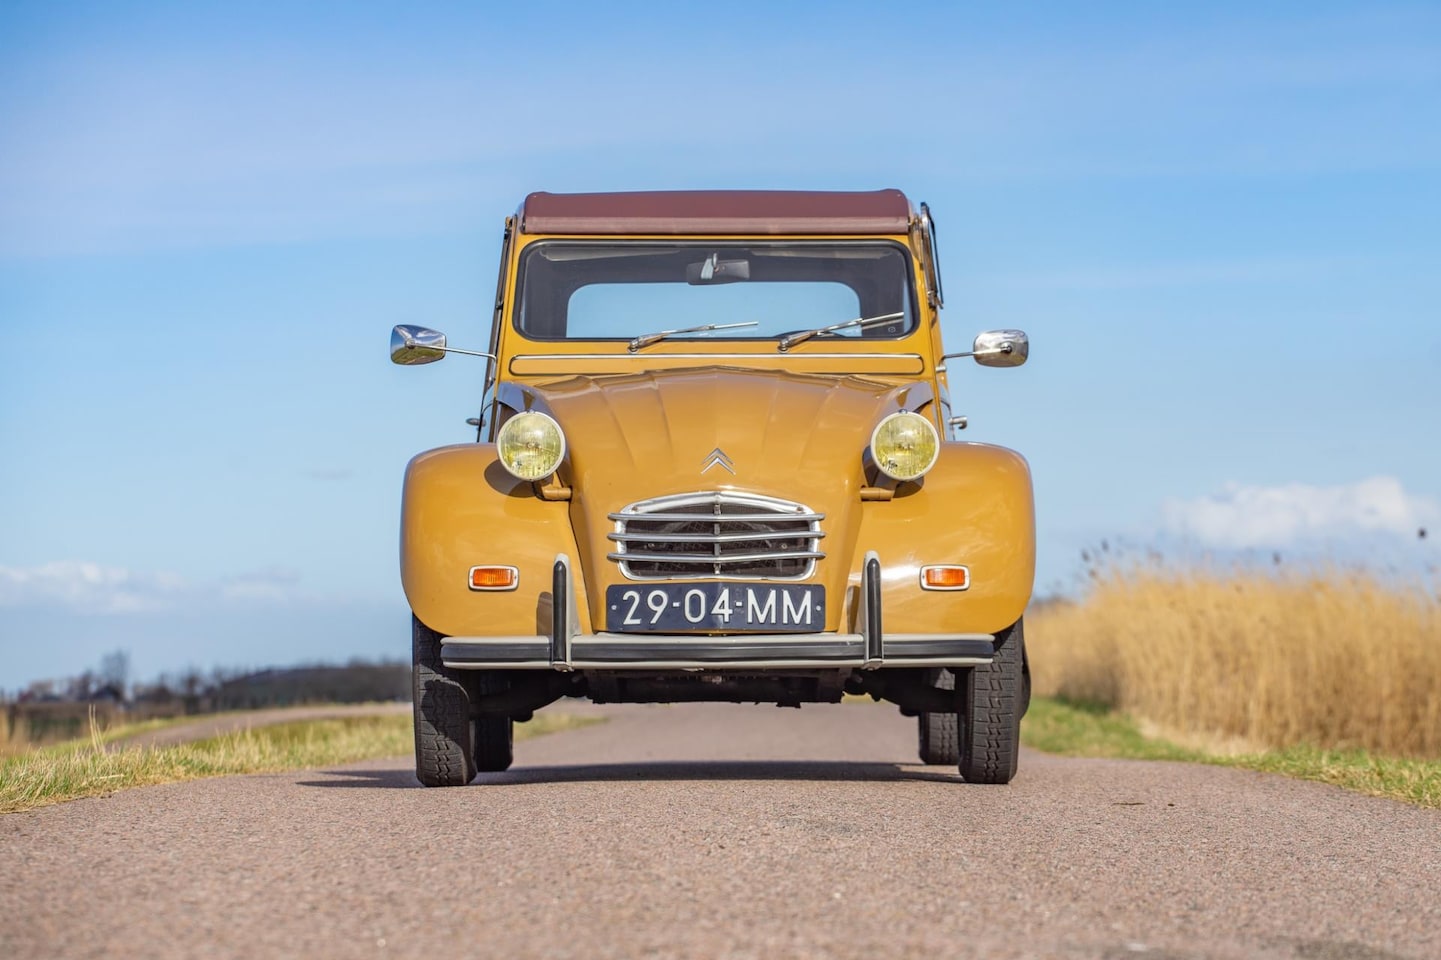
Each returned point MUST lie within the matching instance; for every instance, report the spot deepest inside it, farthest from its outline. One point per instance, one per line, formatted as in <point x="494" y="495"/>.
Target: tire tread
<point x="443" y="736"/>
<point x="990" y="702"/>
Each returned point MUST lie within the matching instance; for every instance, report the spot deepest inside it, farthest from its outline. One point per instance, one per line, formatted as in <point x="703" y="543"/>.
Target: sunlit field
<point x="1333" y="659"/>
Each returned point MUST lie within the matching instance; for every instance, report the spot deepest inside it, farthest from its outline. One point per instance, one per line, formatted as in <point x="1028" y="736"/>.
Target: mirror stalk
<point x="468" y="353"/>
<point x="995" y="348"/>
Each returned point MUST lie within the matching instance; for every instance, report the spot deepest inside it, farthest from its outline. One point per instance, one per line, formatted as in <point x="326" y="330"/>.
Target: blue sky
<point x="1220" y="224"/>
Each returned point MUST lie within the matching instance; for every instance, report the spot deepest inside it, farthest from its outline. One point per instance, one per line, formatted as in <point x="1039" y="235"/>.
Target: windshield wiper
<point x="646" y="339"/>
<point x="791" y="339"/>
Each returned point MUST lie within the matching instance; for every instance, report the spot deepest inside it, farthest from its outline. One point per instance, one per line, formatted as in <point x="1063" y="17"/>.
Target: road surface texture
<point x="728" y="831"/>
<point x="213" y="725"/>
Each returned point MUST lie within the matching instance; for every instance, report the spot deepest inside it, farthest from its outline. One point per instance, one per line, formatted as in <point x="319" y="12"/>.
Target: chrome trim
<point x="718" y="458"/>
<point x="729" y="558"/>
<point x="647" y="339"/>
<point x="649" y="651"/>
<point x="719" y="537"/>
<point x="565" y="614"/>
<point x="868" y="613"/>
<point x="515" y="583"/>
<point x="997" y="348"/>
<point x="881" y="465"/>
<point x="411" y="345"/>
<point x="501" y="434"/>
<point x="753" y="508"/>
<point x="930" y="257"/>
<point x="683" y="517"/>
<point x="792" y="339"/>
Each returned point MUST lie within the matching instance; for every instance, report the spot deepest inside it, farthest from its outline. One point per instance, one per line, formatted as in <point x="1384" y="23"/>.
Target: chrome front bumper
<point x="567" y="649"/>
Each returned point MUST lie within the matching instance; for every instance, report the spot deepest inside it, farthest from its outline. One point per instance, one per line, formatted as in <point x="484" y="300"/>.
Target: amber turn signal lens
<point x="948" y="577"/>
<point x="494" y="578"/>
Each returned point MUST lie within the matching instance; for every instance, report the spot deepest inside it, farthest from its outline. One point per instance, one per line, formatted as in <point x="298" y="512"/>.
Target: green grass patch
<point x="1088" y="730"/>
<point x="69" y="771"/>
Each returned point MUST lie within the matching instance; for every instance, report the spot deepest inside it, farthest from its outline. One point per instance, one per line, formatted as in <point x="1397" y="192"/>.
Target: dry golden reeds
<point x="1332" y="659"/>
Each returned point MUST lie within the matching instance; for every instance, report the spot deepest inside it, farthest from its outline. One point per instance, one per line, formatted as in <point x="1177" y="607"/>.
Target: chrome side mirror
<point x="415" y="345"/>
<point x="998" y="348"/>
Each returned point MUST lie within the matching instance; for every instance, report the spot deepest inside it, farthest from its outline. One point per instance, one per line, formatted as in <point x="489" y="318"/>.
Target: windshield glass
<point x="604" y="290"/>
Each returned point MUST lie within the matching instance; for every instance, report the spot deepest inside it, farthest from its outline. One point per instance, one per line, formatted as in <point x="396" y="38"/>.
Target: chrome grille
<point x="706" y="535"/>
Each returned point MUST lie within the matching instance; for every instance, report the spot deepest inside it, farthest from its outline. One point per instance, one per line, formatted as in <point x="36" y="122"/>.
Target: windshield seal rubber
<point x="913" y="304"/>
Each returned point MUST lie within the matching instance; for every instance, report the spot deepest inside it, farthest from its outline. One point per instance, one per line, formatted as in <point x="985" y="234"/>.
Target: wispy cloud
<point x="274" y="584"/>
<point x="1242" y="517"/>
<point x="88" y="587"/>
<point x="84" y="587"/>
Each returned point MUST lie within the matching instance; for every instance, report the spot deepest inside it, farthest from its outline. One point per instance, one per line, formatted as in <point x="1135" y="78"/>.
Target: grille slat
<point x="714" y="534"/>
<point x="717" y="537"/>
<point x="708" y="518"/>
<point x="708" y="559"/>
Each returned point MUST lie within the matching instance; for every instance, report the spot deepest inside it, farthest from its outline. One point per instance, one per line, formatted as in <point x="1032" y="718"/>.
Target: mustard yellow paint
<point x="795" y="425"/>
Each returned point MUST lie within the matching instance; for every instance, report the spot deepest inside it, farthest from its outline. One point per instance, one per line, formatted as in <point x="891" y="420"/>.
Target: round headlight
<point x="530" y="445"/>
<point x="905" y="445"/>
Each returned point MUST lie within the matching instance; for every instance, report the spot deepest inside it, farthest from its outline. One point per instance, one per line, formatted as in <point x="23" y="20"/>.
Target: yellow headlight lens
<point x="905" y="445"/>
<point x="530" y="445"/>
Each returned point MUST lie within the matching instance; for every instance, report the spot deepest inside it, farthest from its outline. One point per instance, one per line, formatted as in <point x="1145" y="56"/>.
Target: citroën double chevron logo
<point x="718" y="458"/>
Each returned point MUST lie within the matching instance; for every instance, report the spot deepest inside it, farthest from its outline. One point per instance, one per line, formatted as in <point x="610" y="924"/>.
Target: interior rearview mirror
<point x="411" y="345"/>
<point x="715" y="270"/>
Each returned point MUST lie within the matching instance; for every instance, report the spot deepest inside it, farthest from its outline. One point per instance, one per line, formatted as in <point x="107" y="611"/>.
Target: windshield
<point x="758" y="290"/>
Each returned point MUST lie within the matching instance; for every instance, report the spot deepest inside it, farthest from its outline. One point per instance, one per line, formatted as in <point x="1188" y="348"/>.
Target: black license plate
<point x="721" y="607"/>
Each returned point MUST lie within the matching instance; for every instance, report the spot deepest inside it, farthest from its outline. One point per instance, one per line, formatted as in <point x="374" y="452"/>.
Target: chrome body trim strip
<point x="647" y="651"/>
<point x="716" y="538"/>
<point x="728" y="518"/>
<point x="713" y="561"/>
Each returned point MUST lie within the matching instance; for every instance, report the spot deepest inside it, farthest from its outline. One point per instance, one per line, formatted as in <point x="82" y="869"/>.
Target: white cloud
<point x="84" y="587"/>
<point x="271" y="584"/>
<point x="1248" y="516"/>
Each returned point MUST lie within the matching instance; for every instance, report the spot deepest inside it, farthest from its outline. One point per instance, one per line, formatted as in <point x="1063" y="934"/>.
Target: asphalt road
<point x="728" y="831"/>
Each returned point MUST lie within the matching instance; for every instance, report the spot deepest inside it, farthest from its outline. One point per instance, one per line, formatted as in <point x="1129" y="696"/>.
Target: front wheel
<point x="444" y="752"/>
<point x="990" y="700"/>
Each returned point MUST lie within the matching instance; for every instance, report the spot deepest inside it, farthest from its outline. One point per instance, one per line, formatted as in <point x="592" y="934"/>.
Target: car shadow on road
<point x="796" y="770"/>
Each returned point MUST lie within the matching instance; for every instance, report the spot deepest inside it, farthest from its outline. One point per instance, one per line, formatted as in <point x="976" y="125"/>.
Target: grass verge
<point x="69" y="771"/>
<point x="1089" y="730"/>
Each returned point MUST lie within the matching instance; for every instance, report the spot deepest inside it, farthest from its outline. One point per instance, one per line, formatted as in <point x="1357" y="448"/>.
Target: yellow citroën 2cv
<point x="716" y="461"/>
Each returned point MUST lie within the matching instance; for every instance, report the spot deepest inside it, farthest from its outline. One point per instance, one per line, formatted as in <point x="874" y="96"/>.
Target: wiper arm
<point x="791" y="339"/>
<point x="646" y="339"/>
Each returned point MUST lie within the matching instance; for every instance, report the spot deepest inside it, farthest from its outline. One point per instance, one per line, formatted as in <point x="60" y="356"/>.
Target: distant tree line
<point x="50" y="709"/>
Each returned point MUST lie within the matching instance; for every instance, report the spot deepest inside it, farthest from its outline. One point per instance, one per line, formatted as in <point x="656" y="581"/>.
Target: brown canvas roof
<point x="717" y="212"/>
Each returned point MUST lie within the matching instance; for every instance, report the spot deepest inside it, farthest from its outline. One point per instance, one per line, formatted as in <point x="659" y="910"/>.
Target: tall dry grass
<point x="1331" y="659"/>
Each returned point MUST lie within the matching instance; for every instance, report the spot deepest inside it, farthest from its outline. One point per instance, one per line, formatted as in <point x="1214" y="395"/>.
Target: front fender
<point x="460" y="509"/>
<point x="975" y="507"/>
